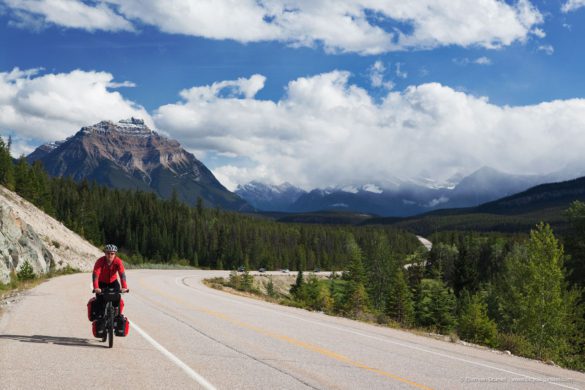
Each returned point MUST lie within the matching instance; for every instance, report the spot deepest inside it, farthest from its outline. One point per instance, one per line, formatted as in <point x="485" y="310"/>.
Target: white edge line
<point x="188" y="370"/>
<point x="535" y="379"/>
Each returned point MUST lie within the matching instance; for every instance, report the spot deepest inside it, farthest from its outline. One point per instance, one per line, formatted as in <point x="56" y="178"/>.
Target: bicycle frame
<point x="110" y="312"/>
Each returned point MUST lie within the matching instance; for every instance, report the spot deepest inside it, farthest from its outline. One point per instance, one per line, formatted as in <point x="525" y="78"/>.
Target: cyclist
<point x="104" y="276"/>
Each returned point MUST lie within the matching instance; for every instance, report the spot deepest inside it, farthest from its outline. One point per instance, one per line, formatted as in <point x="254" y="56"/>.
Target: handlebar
<point x="111" y="292"/>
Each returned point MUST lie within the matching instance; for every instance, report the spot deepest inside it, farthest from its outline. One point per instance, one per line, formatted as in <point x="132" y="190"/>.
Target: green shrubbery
<point x="26" y="272"/>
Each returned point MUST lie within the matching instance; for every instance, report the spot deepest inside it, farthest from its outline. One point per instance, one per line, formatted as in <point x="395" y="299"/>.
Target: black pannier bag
<point x="121" y="326"/>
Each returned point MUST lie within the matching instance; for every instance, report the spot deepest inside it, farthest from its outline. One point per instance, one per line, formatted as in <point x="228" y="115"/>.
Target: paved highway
<point x="185" y="335"/>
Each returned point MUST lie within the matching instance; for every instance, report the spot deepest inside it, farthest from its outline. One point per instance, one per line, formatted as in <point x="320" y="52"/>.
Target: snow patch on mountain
<point x="372" y="188"/>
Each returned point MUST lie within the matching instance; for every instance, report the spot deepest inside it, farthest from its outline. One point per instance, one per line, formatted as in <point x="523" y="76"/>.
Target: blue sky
<point x="316" y="93"/>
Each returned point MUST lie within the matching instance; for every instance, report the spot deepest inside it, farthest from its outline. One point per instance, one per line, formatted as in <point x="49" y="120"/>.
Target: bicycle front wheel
<point x="110" y="336"/>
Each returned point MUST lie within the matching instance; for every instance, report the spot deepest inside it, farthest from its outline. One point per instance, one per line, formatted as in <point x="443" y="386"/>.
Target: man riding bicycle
<point x="104" y="276"/>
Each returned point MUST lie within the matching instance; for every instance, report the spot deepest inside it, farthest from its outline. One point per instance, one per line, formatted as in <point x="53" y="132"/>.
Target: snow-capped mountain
<point x="419" y="195"/>
<point x="129" y="155"/>
<point x="269" y="197"/>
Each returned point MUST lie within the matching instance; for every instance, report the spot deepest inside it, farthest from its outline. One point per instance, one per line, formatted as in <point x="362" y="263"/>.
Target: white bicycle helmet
<point x="111" y="248"/>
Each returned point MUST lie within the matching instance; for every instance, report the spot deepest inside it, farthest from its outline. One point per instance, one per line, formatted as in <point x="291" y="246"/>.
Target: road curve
<point x="185" y="335"/>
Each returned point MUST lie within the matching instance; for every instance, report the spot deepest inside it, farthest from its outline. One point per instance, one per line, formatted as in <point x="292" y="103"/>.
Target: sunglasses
<point x="110" y="253"/>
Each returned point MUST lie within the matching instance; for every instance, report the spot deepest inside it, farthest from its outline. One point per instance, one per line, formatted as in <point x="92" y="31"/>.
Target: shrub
<point x="26" y="272"/>
<point x="516" y="344"/>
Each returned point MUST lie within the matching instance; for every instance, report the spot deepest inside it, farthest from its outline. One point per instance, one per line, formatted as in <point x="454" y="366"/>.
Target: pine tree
<point x="298" y="289"/>
<point x="399" y="305"/>
<point x="381" y="268"/>
<point x="575" y="246"/>
<point x="435" y="306"/>
<point x="474" y="325"/>
<point x="6" y="166"/>
<point x="356" y="300"/>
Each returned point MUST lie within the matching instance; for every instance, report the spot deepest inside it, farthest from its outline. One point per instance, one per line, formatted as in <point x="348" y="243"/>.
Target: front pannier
<point x="91" y="309"/>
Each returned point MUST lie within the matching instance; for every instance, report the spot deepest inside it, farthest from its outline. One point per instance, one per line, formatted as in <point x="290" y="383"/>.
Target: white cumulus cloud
<point x="376" y="73"/>
<point x="67" y="13"/>
<point x="572" y="5"/>
<point x="50" y="107"/>
<point x="327" y="131"/>
<point x="548" y="49"/>
<point x="358" y="26"/>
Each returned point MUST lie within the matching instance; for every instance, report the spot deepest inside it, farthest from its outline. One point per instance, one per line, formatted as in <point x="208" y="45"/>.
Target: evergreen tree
<point x="355" y="270"/>
<point x="6" y="166"/>
<point x="298" y="289"/>
<point x="380" y="269"/>
<point x="318" y="296"/>
<point x="247" y="281"/>
<point x="441" y="264"/>
<point x="26" y="272"/>
<point x="533" y="294"/>
<point x="575" y="246"/>
<point x="399" y="305"/>
<point x="356" y="301"/>
<point x="474" y="325"/>
<point x="466" y="274"/>
<point x="435" y="306"/>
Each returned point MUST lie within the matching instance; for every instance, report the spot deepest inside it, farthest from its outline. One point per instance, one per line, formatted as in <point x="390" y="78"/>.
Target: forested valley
<point x="520" y="292"/>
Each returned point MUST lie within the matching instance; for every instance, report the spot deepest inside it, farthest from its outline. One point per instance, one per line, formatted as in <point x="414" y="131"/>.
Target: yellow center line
<point x="287" y="339"/>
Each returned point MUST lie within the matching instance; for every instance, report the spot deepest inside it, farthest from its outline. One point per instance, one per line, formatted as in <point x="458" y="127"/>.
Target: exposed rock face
<point x="28" y="234"/>
<point x="129" y="155"/>
<point x="20" y="243"/>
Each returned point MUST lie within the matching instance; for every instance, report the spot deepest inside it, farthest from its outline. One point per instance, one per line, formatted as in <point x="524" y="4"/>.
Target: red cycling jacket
<point x="102" y="272"/>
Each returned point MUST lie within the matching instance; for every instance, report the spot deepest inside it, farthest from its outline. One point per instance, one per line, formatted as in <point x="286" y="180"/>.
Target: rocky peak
<point x="128" y="154"/>
<point x="134" y="148"/>
<point x="132" y="127"/>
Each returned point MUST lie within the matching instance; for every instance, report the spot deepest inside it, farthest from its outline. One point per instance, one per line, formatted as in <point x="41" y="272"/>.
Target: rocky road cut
<point x="185" y="335"/>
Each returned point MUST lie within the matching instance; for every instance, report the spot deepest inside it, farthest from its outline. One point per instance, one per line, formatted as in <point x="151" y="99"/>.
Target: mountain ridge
<point x="409" y="197"/>
<point x="129" y="155"/>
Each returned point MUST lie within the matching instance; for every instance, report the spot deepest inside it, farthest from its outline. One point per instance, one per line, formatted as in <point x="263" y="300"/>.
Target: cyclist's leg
<point x="99" y="302"/>
<point x="118" y="304"/>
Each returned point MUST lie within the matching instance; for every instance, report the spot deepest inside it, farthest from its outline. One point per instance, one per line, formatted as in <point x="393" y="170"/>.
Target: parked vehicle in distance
<point x="285" y="270"/>
<point x="317" y="269"/>
<point x="262" y="270"/>
<point x="241" y="269"/>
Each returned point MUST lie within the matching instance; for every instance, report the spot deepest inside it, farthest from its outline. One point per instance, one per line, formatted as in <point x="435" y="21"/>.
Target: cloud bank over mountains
<point x="339" y="26"/>
<point x="323" y="131"/>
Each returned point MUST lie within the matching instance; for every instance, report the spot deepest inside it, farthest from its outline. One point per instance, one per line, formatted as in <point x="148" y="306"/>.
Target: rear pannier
<point x="98" y="328"/>
<point x="121" y="326"/>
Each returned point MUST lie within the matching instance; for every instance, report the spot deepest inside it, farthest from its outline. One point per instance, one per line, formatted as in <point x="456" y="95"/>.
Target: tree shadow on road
<point x="69" y="341"/>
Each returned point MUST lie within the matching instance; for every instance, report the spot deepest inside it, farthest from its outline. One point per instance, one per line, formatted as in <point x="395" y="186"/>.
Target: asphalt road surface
<point x="185" y="335"/>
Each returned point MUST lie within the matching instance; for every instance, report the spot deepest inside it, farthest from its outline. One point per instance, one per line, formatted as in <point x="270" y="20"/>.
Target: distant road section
<point x="192" y="337"/>
<point x="425" y="242"/>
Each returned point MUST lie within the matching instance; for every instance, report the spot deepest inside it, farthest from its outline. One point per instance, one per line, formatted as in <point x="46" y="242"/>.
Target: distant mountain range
<point x="129" y="155"/>
<point x="404" y="198"/>
<point x="270" y="197"/>
<point x="516" y="213"/>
